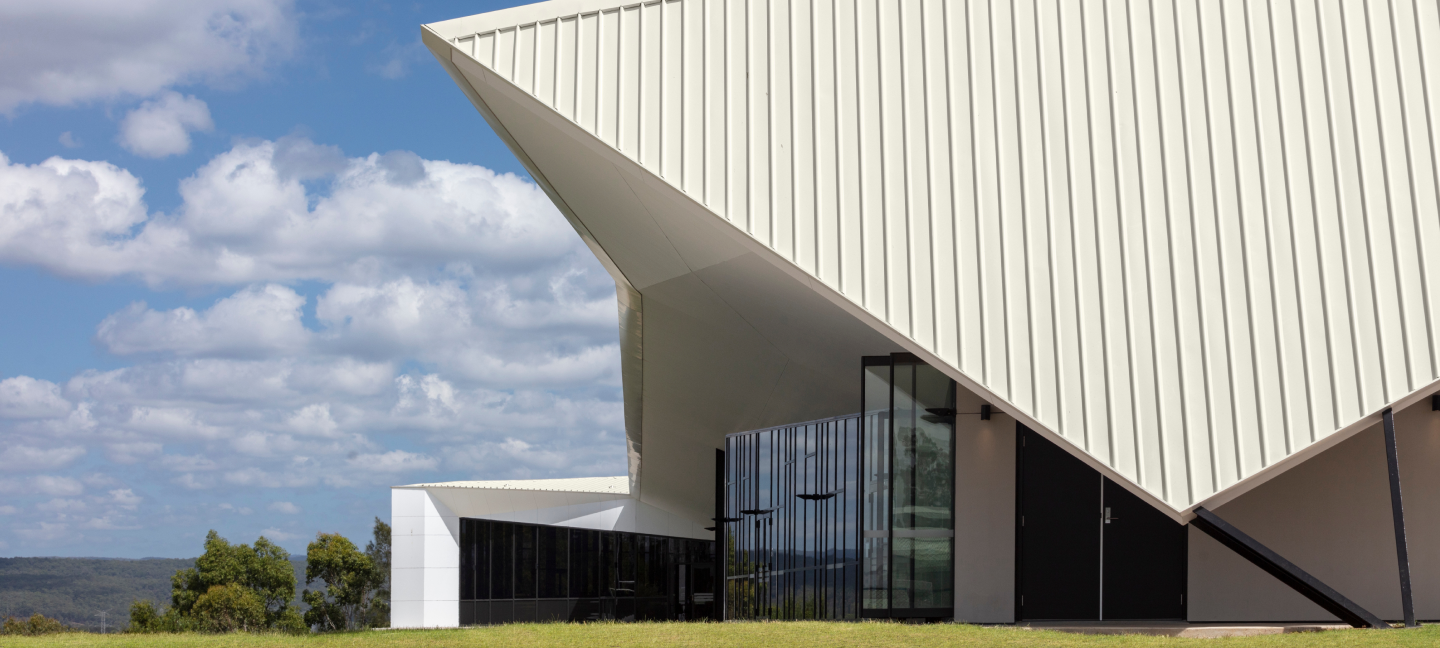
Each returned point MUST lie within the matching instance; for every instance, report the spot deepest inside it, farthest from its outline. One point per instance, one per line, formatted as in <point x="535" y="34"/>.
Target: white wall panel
<point x="1188" y="236"/>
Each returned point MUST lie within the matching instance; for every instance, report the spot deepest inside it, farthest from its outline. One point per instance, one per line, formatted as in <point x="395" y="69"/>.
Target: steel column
<point x="722" y="584"/>
<point x="1397" y="508"/>
<point x="1288" y="573"/>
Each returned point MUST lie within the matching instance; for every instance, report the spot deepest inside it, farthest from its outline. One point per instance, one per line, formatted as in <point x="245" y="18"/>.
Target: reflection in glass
<point x="584" y="563"/>
<point x="788" y="554"/>
<point x="580" y="574"/>
<point x="907" y="472"/>
<point x="922" y="433"/>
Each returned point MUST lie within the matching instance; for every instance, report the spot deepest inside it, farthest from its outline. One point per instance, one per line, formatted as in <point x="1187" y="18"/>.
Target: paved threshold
<point x="1179" y="628"/>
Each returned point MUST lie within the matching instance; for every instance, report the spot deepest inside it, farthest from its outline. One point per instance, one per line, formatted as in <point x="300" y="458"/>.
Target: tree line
<point x="75" y="591"/>
<point x="251" y="588"/>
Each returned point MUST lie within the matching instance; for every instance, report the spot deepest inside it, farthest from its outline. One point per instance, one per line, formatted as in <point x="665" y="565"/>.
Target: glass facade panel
<point x="467" y="563"/>
<point x="525" y="557"/>
<point x="502" y="561"/>
<point x="875" y="534"/>
<point x="786" y="553"/>
<point x="537" y="572"/>
<point x="923" y="423"/>
<point x="584" y="563"/>
<point x="848" y="517"/>
<point x="554" y="570"/>
<point x="481" y="553"/>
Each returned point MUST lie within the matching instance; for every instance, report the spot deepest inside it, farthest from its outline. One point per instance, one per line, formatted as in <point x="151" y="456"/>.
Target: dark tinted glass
<point x="652" y="575"/>
<point x="557" y="573"/>
<point x="584" y="563"/>
<point x="625" y="577"/>
<point x="525" y="557"/>
<point x="467" y="567"/>
<point x="609" y="563"/>
<point x="554" y="566"/>
<point x="502" y="560"/>
<point x="481" y="531"/>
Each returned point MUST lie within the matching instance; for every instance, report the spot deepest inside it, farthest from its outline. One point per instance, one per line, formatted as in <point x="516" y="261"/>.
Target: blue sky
<point x="260" y="260"/>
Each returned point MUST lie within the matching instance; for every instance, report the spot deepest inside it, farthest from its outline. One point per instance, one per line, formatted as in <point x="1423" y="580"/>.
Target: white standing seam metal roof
<point x="617" y="485"/>
<point x="1186" y="238"/>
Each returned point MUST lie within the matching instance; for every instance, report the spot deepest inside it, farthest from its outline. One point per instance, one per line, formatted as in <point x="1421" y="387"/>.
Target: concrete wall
<point x="984" y="515"/>
<point x="1332" y="517"/>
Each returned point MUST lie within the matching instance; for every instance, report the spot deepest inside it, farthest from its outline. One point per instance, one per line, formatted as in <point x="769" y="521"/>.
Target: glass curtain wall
<point x="511" y="572"/>
<point x="792" y="509"/>
<point x="908" y="472"/>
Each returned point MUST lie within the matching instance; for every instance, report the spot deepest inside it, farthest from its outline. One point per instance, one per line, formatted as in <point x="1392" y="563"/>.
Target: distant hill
<point x="74" y="590"/>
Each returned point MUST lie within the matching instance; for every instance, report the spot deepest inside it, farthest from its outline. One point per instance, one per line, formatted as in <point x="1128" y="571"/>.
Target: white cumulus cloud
<point x="125" y="498"/>
<point x="273" y="533"/>
<point x="162" y="127"/>
<point x="26" y="457"/>
<point x="284" y="507"/>
<point x="61" y="52"/>
<point x="393" y="461"/>
<point x="460" y="330"/>
<point x="247" y="217"/>
<point x="23" y="397"/>
<point x="260" y="320"/>
<point x="59" y="486"/>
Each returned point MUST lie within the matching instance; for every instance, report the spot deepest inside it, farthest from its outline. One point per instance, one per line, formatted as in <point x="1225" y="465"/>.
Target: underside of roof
<point x="1188" y="240"/>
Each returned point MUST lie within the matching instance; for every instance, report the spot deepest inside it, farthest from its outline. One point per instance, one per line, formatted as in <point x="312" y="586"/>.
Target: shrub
<point x="36" y="625"/>
<point x="145" y="618"/>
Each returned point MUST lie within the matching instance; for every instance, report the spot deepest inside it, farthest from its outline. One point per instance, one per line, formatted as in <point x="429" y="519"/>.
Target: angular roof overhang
<point x="1150" y="282"/>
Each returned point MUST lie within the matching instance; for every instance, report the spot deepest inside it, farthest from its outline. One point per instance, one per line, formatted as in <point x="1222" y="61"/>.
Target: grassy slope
<point x="758" y="635"/>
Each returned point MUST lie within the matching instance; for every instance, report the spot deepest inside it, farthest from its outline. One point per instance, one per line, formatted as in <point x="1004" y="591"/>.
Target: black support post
<point x="1288" y="573"/>
<point x="722" y="584"/>
<point x="1397" y="507"/>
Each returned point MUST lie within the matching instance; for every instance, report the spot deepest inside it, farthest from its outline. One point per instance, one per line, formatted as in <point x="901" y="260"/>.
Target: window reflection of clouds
<point x="792" y="555"/>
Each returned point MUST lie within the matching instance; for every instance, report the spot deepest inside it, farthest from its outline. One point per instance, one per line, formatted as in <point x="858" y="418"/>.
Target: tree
<point x="351" y="583"/>
<point x="231" y="587"/>
<point x="228" y="608"/>
<point x="378" y="551"/>
<point x="264" y="569"/>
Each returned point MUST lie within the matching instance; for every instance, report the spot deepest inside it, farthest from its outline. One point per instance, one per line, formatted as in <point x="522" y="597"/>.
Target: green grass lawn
<point x="759" y="635"/>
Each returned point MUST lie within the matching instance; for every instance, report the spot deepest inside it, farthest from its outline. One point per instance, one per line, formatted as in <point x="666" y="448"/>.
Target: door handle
<point x="1109" y="517"/>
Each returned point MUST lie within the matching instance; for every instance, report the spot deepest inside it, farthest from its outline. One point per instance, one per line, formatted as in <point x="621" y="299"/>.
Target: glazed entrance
<point x="908" y="467"/>
<point x="847" y="517"/>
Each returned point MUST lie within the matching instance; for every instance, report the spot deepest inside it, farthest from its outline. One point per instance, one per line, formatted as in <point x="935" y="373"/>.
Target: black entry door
<point x="1145" y="554"/>
<point x="1059" y="530"/>
<point x="1089" y="549"/>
